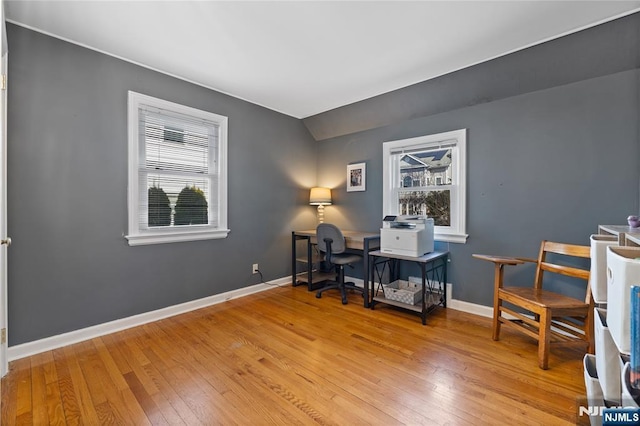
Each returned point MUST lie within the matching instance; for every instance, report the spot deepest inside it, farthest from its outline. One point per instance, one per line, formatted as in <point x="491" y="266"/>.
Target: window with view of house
<point x="177" y="172"/>
<point x="427" y="176"/>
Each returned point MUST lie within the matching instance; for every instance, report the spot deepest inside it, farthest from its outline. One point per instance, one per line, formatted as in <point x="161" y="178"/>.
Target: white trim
<point x="456" y="233"/>
<point x="450" y="238"/>
<point x="458" y="305"/>
<point x="175" y="237"/>
<point x="50" y="343"/>
<point x="54" y="342"/>
<point x="137" y="236"/>
<point x="4" y="305"/>
<point x="468" y="307"/>
<point x="65" y="339"/>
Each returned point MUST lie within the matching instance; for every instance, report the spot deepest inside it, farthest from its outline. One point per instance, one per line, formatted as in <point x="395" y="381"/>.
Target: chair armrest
<point x="527" y="259"/>
<point x="503" y="259"/>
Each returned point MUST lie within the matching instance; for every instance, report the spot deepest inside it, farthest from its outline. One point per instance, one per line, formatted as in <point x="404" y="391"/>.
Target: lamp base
<point x="320" y="213"/>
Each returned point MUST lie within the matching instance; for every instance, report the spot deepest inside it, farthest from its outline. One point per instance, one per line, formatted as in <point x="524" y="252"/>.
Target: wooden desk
<point x="355" y="240"/>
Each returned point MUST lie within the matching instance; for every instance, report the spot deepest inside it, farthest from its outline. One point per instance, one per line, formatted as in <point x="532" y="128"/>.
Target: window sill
<point x="175" y="237"/>
<point x="451" y="238"/>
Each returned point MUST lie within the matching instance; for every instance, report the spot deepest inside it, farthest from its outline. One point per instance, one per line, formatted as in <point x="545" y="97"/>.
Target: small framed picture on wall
<point x="356" y="177"/>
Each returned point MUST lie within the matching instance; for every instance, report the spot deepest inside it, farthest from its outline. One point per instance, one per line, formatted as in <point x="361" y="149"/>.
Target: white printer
<point x="407" y="235"/>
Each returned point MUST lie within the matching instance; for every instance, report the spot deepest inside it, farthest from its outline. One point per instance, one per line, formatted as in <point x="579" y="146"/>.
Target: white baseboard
<point x="458" y="305"/>
<point x="58" y="341"/>
<point x="461" y="305"/>
<point x="65" y="339"/>
<point x="471" y="308"/>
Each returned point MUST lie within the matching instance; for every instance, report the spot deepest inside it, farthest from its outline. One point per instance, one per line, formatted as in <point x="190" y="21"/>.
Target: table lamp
<point x="320" y="197"/>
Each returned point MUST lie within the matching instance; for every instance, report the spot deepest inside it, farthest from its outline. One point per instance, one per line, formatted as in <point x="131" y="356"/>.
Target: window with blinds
<point x="177" y="172"/>
<point x="426" y="176"/>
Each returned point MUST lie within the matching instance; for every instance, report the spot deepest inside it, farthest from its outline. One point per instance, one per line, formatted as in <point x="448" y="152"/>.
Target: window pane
<point x="177" y="147"/>
<point x="426" y="168"/>
<point x="187" y="198"/>
<point x="434" y="204"/>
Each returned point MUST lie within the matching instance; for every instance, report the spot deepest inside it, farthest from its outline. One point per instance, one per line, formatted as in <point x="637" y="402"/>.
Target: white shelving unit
<point x="606" y="373"/>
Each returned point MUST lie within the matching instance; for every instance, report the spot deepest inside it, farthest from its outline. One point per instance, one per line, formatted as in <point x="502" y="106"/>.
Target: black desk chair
<point x="331" y="243"/>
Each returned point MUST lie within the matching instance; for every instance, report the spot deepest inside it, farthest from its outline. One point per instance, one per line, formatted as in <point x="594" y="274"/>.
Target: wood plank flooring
<point x="285" y="357"/>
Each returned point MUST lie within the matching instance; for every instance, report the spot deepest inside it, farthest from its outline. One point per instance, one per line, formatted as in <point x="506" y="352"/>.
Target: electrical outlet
<point x="254" y="268"/>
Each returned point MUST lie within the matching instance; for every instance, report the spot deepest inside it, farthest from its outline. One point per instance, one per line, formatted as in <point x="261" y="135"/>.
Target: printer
<point x="407" y="235"/>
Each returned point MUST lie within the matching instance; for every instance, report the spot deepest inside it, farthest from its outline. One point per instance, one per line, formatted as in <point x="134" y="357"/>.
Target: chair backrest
<point x="568" y="250"/>
<point x="327" y="230"/>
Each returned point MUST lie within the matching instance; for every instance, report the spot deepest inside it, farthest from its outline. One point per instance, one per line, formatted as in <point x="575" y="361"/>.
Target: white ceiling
<point x="306" y="57"/>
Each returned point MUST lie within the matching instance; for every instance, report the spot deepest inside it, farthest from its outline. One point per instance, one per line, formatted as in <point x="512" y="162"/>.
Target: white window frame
<point x="139" y="236"/>
<point x="456" y="232"/>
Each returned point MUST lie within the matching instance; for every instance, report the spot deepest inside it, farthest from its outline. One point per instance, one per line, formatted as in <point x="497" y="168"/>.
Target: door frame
<point x="4" y="60"/>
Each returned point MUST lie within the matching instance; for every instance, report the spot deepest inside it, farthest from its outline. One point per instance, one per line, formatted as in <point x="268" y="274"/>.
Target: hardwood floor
<point x="285" y="357"/>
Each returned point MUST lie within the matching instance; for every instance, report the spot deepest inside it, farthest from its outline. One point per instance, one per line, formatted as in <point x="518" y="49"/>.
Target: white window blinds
<point x="177" y="158"/>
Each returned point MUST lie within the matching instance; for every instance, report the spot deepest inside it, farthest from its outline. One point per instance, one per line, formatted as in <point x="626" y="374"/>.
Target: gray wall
<point x="69" y="266"/>
<point x="544" y="163"/>
<point x="553" y="151"/>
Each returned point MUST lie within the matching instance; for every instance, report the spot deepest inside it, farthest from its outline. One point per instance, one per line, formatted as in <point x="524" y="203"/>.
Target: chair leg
<point x="353" y="287"/>
<point x="343" y="290"/>
<point x="497" y="304"/>
<point x="589" y="330"/>
<point x="325" y="288"/>
<point x="341" y="285"/>
<point x="338" y="284"/>
<point x="544" y="339"/>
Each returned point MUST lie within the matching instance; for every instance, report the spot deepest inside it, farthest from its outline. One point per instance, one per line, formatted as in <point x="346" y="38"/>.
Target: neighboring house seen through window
<point x="426" y="175"/>
<point x="177" y="172"/>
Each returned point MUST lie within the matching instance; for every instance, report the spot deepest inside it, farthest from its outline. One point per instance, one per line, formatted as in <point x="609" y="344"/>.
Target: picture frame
<point x="356" y="177"/>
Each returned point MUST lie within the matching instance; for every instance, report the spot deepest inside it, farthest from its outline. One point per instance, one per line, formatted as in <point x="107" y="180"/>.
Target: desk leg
<point x="365" y="274"/>
<point x="310" y="265"/>
<point x="293" y="260"/>
<point x="423" y="314"/>
<point x="370" y="282"/>
<point x="444" y="276"/>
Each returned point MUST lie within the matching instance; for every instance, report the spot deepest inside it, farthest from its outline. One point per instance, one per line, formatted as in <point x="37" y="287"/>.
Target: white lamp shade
<point x="320" y="196"/>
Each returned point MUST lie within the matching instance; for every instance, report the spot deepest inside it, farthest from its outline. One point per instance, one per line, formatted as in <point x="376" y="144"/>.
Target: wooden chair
<point x="552" y="317"/>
